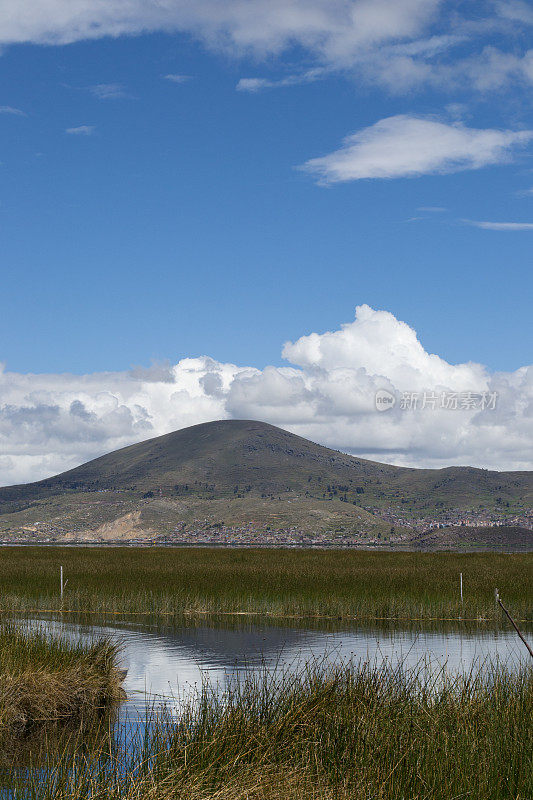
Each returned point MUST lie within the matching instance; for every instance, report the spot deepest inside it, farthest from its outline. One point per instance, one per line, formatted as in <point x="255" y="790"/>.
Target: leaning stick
<point x="511" y="620"/>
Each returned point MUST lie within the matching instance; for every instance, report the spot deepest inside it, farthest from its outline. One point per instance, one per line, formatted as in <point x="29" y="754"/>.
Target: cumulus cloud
<point x="408" y="146"/>
<point x="81" y="130"/>
<point x="49" y="423"/>
<point x="156" y="373"/>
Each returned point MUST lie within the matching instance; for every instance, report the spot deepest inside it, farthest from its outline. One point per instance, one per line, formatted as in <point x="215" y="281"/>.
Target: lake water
<point x="167" y="662"/>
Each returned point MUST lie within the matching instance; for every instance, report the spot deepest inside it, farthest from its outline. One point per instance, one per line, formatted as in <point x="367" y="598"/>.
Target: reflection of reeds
<point x="334" y="733"/>
<point x="280" y="583"/>
<point x="169" y="624"/>
<point x="49" y="681"/>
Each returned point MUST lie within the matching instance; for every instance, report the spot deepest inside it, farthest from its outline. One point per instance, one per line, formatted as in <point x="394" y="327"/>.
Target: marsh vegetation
<point x="340" y="732"/>
<point x="332" y="731"/>
<point x="48" y="681"/>
<point x="310" y="583"/>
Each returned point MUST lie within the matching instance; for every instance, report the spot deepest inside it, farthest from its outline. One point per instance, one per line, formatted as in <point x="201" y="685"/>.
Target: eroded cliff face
<point x="129" y="526"/>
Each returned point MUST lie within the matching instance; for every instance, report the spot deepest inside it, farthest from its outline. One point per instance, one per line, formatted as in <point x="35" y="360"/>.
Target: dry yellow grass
<point x="50" y="681"/>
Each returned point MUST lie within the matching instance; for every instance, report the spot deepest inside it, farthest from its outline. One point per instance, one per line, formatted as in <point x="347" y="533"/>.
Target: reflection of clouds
<point x="428" y="651"/>
<point x="163" y="673"/>
<point x="170" y="665"/>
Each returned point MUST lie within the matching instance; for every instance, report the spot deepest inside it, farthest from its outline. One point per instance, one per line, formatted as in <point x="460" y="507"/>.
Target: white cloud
<point x="254" y="85"/>
<point x="515" y="10"/>
<point x="333" y="28"/>
<point x="491" y="69"/>
<point x="10" y="110"/>
<point x="400" y="44"/>
<point x="81" y="130"/>
<point x="378" y="338"/>
<point x="175" y="78"/>
<point x="407" y="146"/>
<point x="50" y="423"/>
<point x="108" y="91"/>
<point x="501" y="226"/>
<point x="488" y="68"/>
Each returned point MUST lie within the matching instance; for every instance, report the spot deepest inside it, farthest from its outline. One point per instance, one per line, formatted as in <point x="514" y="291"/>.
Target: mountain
<point x="240" y="478"/>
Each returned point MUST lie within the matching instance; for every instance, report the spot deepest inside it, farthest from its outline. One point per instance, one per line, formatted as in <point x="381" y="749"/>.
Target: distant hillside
<point x="466" y="537"/>
<point x="245" y="474"/>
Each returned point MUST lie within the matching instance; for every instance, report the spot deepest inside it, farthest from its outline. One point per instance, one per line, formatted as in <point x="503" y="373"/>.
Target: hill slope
<point x="241" y="474"/>
<point x="225" y="453"/>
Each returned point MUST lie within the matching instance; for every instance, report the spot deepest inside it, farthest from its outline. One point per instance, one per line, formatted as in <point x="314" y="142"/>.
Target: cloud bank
<point x="49" y="423"/>
<point x="332" y="28"/>
<point x="398" y="44"/>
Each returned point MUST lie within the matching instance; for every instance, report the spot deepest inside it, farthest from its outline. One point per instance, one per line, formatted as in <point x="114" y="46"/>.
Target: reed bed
<point x="331" y="733"/>
<point x="280" y="583"/>
<point x="47" y="681"/>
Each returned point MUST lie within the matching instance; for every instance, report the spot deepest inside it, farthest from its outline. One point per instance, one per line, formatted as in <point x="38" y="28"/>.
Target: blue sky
<point x="216" y="178"/>
<point x="181" y="225"/>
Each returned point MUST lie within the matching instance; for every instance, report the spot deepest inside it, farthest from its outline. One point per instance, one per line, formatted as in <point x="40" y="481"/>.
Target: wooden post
<point x="461" y="585"/>
<point x="61" y="581"/>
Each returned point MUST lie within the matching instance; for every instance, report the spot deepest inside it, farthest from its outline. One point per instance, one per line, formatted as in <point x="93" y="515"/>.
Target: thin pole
<point x="511" y="620"/>
<point x="61" y="581"/>
<point x="461" y="584"/>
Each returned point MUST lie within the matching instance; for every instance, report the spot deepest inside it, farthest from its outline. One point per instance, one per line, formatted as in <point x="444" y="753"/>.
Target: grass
<point x="335" y="733"/>
<point x="49" y="681"/>
<point x="310" y="583"/>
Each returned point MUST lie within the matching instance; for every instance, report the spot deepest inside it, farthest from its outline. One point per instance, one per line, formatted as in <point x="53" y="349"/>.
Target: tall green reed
<point x="276" y="582"/>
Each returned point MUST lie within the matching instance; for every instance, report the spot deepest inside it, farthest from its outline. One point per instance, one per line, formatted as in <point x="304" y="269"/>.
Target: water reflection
<point x="168" y="663"/>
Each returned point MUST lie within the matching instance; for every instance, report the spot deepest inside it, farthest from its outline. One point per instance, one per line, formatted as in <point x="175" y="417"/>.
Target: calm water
<point x="167" y="663"/>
